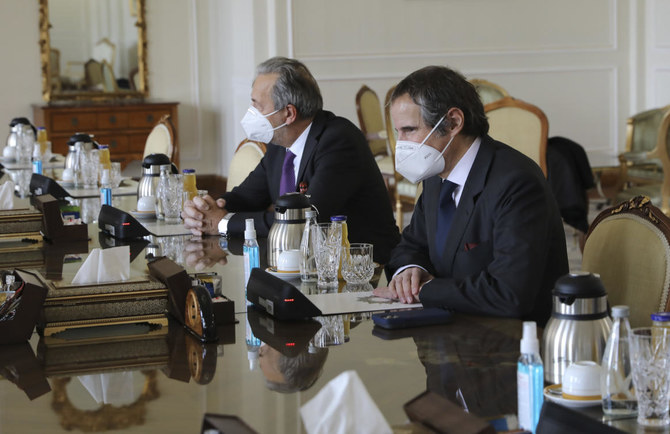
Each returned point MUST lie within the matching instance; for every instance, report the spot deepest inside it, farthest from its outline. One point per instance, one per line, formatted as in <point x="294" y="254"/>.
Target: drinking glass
<point x="650" y="363"/>
<point x="116" y="174"/>
<point x="89" y="161"/>
<point x="171" y="198"/>
<point x="327" y="246"/>
<point x="24" y="145"/>
<point x="357" y="264"/>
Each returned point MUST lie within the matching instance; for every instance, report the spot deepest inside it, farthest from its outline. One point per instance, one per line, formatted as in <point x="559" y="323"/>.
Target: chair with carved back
<point x="645" y="165"/>
<point x="108" y="79"/>
<point x="161" y="140"/>
<point x="247" y="156"/>
<point x="105" y="50"/>
<point x="371" y="121"/>
<point x="522" y="126"/>
<point x="93" y="75"/>
<point x="488" y="91"/>
<point x="628" y="245"/>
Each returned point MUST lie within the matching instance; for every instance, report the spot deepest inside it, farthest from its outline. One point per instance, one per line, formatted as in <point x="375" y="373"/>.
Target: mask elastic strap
<point x="433" y="130"/>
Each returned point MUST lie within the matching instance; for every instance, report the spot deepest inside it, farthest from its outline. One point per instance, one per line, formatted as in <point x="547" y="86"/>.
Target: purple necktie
<point x="287" y="183"/>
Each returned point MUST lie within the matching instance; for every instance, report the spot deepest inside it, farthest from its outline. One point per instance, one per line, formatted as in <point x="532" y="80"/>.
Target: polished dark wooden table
<point x="170" y="380"/>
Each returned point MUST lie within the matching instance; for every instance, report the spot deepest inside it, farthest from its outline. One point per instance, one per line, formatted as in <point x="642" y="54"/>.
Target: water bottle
<point x="530" y="378"/>
<point x="250" y="251"/>
<point x="616" y="384"/>
<point x="37" y="159"/>
<point x="105" y="188"/>
<point x="307" y="253"/>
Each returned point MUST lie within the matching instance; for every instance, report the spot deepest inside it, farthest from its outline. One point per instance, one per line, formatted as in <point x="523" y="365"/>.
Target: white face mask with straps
<point x="257" y="126"/>
<point x="418" y="161"/>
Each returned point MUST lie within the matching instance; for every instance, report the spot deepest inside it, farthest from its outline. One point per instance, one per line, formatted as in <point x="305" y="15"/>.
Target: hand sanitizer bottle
<point x="250" y="251"/>
<point x="529" y="378"/>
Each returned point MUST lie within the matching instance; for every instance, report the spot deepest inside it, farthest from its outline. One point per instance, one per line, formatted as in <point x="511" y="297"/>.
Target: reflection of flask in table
<point x="616" y="379"/>
<point x="189" y="183"/>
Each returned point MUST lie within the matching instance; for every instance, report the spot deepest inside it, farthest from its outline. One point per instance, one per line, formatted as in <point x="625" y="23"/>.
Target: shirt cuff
<point x="405" y="267"/>
<point x="223" y="224"/>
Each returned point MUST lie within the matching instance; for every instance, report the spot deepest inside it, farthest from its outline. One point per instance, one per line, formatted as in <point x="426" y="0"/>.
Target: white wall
<point x="588" y="65"/>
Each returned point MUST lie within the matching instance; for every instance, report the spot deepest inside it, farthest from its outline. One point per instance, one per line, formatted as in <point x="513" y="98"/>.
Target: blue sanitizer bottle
<point x="530" y="378"/>
<point x="250" y="251"/>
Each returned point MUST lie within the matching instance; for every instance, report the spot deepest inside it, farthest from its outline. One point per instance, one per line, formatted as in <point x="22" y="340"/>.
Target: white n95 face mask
<point x="418" y="161"/>
<point x="257" y="126"/>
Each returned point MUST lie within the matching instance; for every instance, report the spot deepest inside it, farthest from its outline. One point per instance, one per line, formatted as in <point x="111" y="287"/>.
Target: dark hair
<point x="300" y="372"/>
<point x="436" y="89"/>
<point x="295" y="85"/>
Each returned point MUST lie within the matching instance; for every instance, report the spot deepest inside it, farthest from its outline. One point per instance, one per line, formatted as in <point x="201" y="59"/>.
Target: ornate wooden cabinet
<point x="124" y="126"/>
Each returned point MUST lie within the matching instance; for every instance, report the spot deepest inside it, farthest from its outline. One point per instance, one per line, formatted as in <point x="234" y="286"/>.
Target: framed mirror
<point x="93" y="49"/>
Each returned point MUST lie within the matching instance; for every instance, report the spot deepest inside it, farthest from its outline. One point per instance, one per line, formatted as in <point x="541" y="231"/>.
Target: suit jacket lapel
<point x="318" y="124"/>
<point x="473" y="187"/>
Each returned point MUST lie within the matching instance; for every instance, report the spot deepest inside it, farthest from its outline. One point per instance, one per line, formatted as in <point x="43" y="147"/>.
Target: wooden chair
<point x="521" y="125"/>
<point x="645" y="165"/>
<point x="161" y="140"/>
<point x="371" y="122"/>
<point x="488" y="92"/>
<point x="247" y="156"/>
<point x="629" y="246"/>
<point x="405" y="194"/>
<point x="105" y="50"/>
<point x="93" y="71"/>
<point x="108" y="79"/>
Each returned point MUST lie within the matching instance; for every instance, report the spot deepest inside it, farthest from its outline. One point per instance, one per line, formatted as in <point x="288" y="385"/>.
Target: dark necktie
<point x="445" y="214"/>
<point x="287" y="183"/>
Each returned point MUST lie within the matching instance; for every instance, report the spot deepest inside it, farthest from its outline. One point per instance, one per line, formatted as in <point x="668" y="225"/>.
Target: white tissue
<point x="108" y="265"/>
<point x="7" y="195"/>
<point x="115" y="388"/>
<point x="343" y="406"/>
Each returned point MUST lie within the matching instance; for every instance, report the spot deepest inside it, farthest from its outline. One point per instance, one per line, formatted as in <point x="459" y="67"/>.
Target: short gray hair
<point x="295" y="85"/>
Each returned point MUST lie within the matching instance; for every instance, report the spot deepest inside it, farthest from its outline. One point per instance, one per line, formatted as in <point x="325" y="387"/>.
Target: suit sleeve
<point x="503" y="274"/>
<point x="413" y="247"/>
<point x="252" y="193"/>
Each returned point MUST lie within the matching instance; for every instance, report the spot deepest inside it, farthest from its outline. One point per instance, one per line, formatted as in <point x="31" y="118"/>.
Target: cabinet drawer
<point x="146" y="119"/>
<point x="112" y="121"/>
<point x="117" y="143"/>
<point x="137" y="142"/>
<point x="72" y="123"/>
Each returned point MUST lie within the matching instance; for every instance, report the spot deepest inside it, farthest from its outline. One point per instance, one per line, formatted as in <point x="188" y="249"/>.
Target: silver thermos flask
<point x="579" y="324"/>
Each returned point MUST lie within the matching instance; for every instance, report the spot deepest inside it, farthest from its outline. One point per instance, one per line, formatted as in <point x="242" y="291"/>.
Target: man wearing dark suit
<point x="486" y="235"/>
<point x="328" y="155"/>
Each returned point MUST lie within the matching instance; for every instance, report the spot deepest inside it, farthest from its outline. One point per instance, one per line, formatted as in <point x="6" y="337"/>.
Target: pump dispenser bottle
<point x="530" y="378"/>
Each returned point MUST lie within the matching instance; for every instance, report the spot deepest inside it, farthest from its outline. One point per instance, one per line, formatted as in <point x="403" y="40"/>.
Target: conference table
<point x="261" y="372"/>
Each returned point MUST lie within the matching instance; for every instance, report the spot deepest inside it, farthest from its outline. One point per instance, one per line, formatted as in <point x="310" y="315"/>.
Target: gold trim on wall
<point x="45" y="47"/>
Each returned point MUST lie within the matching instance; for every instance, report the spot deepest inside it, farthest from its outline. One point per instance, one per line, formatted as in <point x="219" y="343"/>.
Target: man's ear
<point x="292" y="114"/>
<point x="456" y="119"/>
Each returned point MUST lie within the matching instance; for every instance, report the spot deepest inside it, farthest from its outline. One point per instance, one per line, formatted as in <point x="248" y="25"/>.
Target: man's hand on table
<point x="202" y="253"/>
<point x="202" y="215"/>
<point x="405" y="286"/>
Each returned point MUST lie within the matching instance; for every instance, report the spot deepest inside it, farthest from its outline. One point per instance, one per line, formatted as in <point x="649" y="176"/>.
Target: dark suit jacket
<point x="342" y="178"/>
<point x="506" y="245"/>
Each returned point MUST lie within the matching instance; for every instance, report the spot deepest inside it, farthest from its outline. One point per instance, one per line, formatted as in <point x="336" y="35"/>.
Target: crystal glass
<point x="357" y="264"/>
<point x="327" y="246"/>
<point x="89" y="163"/>
<point x="24" y="145"/>
<point x="116" y="174"/>
<point x="331" y="331"/>
<point x="171" y="198"/>
<point x="650" y="362"/>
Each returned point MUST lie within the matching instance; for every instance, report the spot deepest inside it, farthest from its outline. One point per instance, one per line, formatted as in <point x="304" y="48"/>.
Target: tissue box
<point x="143" y="300"/>
<point x="20" y="221"/>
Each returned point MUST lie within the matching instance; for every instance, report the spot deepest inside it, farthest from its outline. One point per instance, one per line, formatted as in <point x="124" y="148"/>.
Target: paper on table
<point x="350" y="302"/>
<point x="343" y="406"/>
<point x="108" y="265"/>
<point x="7" y="195"/>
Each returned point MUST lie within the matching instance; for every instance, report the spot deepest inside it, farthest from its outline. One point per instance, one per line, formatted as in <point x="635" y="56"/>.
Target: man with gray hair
<point x="308" y="149"/>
